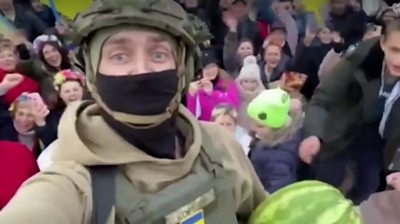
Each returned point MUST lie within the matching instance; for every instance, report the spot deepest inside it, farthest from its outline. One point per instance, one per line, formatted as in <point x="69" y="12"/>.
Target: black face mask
<point x="144" y="94"/>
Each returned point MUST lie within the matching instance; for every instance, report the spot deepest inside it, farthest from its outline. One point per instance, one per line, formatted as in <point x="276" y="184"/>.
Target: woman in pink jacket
<point x="215" y="87"/>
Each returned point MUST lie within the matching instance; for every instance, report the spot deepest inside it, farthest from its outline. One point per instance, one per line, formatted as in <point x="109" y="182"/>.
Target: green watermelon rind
<point x="275" y="209"/>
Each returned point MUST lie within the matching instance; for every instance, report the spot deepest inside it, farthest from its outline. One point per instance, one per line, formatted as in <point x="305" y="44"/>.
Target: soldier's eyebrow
<point x="157" y="39"/>
<point x="117" y="41"/>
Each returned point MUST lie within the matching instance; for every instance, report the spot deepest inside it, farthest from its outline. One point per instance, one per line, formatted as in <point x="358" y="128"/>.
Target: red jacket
<point x="27" y="85"/>
<point x="17" y="164"/>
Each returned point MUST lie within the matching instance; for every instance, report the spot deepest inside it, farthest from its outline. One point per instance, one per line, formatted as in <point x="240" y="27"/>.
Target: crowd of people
<point x="305" y="101"/>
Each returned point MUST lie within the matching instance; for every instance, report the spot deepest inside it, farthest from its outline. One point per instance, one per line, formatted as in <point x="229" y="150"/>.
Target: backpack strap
<point x="103" y="192"/>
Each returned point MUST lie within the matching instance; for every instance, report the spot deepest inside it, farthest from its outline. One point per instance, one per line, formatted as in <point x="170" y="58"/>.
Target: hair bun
<point x="249" y="60"/>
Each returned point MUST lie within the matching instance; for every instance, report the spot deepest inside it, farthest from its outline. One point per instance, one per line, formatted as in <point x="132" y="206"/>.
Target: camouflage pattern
<point x="165" y="15"/>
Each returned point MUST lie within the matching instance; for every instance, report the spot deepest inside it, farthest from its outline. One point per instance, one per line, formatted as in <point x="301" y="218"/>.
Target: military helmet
<point x="164" y="15"/>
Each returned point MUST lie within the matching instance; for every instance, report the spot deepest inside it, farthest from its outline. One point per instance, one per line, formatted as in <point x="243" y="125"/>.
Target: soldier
<point x="136" y="155"/>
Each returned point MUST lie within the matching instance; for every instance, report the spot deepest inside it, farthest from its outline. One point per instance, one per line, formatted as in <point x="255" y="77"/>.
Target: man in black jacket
<point x="355" y="115"/>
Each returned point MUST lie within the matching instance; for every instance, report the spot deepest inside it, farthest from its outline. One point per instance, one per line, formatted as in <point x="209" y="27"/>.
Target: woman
<point x="54" y="56"/>
<point x="234" y="53"/>
<point x="215" y="87"/>
<point x="26" y="123"/>
<point x="273" y="65"/>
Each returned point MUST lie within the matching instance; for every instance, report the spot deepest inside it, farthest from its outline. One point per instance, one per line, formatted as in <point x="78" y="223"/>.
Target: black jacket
<point x="348" y="99"/>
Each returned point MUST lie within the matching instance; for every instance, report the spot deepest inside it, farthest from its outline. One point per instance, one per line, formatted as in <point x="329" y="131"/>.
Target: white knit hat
<point x="250" y="70"/>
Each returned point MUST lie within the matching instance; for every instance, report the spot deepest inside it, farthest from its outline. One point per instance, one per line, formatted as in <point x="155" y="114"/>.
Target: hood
<point x="287" y="135"/>
<point x="85" y="138"/>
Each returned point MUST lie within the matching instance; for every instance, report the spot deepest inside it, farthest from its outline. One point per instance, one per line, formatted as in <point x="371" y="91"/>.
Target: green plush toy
<point x="270" y="108"/>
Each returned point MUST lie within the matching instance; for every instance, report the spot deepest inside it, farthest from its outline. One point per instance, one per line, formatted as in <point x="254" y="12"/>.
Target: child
<point x="250" y="85"/>
<point x="70" y="85"/>
<point x="277" y="138"/>
<point x="226" y="116"/>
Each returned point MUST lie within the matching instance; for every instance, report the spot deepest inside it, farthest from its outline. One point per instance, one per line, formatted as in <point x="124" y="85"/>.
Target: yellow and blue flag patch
<point x="195" y="218"/>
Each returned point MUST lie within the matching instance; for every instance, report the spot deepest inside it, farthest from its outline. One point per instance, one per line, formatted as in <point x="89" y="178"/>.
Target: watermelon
<point x="306" y="202"/>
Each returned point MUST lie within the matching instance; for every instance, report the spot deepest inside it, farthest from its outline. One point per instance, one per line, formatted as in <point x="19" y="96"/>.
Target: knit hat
<point x="250" y="70"/>
<point x="270" y="108"/>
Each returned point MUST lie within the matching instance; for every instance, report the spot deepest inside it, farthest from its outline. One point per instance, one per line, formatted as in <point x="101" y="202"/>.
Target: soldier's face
<point x="136" y="52"/>
<point x="391" y="47"/>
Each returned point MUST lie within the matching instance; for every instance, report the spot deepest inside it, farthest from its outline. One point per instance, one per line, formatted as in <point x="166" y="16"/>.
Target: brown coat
<point x="62" y="194"/>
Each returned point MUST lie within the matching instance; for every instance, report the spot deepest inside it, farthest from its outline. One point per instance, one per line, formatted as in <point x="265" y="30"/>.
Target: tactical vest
<point x="205" y="195"/>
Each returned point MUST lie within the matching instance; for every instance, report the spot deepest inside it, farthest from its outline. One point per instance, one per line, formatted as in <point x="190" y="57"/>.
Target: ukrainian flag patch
<point x="195" y="218"/>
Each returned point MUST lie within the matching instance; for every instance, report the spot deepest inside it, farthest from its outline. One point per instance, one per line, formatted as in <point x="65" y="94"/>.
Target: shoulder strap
<point x="103" y="192"/>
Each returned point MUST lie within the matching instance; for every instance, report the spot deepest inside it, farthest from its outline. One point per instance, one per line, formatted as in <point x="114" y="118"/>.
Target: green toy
<point x="270" y="108"/>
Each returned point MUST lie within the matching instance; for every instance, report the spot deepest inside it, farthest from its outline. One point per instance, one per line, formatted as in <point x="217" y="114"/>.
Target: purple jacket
<point x="209" y="101"/>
